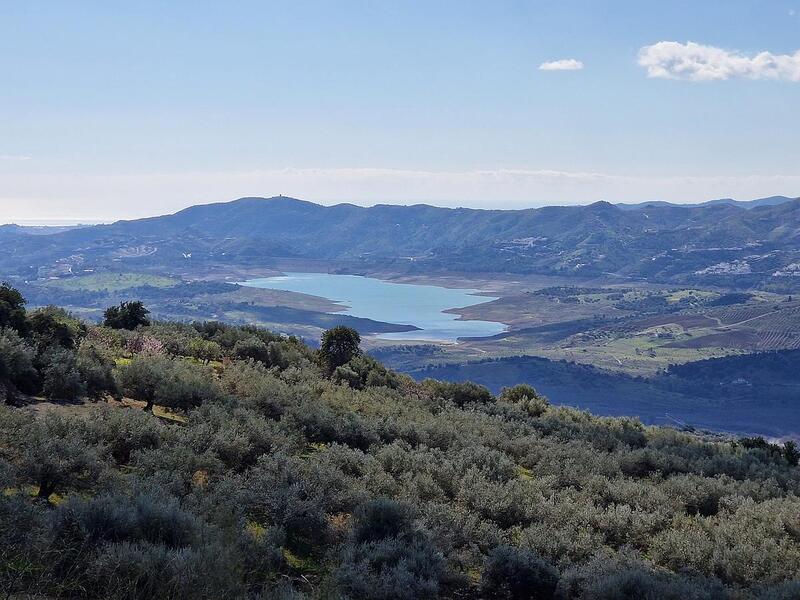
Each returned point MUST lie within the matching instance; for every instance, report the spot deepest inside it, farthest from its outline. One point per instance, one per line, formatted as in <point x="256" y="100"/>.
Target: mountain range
<point x="769" y="201"/>
<point x="718" y="243"/>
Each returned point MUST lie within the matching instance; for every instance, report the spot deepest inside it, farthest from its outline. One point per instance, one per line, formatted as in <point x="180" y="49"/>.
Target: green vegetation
<point x="111" y="282"/>
<point x="339" y="346"/>
<point x="128" y="315"/>
<point x="287" y="479"/>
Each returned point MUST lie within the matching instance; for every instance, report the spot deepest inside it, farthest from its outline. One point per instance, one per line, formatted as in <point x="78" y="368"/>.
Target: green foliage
<point x="169" y="382"/>
<point x="12" y="309"/>
<point x="204" y="350"/>
<point x="514" y="574"/>
<point x="61" y="377"/>
<point x="54" y="327"/>
<point x="128" y="315"/>
<point x="364" y="371"/>
<point x="121" y="433"/>
<point x="17" y="371"/>
<point x="52" y="454"/>
<point x="791" y="453"/>
<point x="526" y="398"/>
<point x="96" y="370"/>
<point x="137" y="548"/>
<point x="338" y="346"/>
<point x="518" y="393"/>
<point x="788" y="452"/>
<point x="387" y="558"/>
<point x="277" y="480"/>
<point x="459" y="393"/>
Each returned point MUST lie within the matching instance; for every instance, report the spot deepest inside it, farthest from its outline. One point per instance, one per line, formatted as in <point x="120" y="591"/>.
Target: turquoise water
<point x="402" y="303"/>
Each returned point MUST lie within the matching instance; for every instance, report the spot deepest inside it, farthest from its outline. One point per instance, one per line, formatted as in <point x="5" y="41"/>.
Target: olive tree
<point x="54" y="456"/>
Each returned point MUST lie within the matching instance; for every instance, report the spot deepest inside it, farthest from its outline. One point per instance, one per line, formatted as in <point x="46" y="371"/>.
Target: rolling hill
<point x="715" y="244"/>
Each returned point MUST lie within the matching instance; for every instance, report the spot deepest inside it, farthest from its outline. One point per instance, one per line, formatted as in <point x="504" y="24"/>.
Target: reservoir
<point x="403" y="303"/>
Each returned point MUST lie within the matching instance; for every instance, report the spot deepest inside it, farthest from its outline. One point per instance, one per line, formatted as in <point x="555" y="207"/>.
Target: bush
<point x="610" y="577"/>
<point x="61" y="377"/>
<point x="381" y="519"/>
<point x="364" y="371"/>
<point x="459" y="393"/>
<point x="387" y="557"/>
<point x="513" y="574"/>
<point x="252" y="348"/>
<point x="16" y="363"/>
<point x="390" y="569"/>
<point x="518" y="393"/>
<point x="54" y="327"/>
<point x="97" y="372"/>
<point x="123" y="432"/>
<point x="12" y="309"/>
<point x="525" y="397"/>
<point x="138" y="548"/>
<point x="54" y="456"/>
<point x="169" y="382"/>
<point x="204" y="350"/>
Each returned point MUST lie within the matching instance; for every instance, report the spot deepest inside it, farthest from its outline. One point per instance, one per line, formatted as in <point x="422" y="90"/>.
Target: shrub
<point x="17" y="363"/>
<point x="390" y="569"/>
<point x="380" y="519"/>
<point x="61" y="377"/>
<point x="97" y="372"/>
<point x="54" y="327"/>
<point x="527" y="398"/>
<point x="518" y="393"/>
<point x="12" y="309"/>
<point x="364" y="371"/>
<point x="123" y="432"/>
<point x="387" y="558"/>
<point x="169" y="382"/>
<point x="55" y="457"/>
<point x="137" y="548"/>
<point x="204" y="350"/>
<point x="791" y="453"/>
<point x="513" y="574"/>
<point x="142" y="343"/>
<point x="252" y="348"/>
<point x="459" y="393"/>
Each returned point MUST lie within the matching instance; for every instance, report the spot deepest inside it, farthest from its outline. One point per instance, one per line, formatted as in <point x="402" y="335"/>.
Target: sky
<point x="127" y="109"/>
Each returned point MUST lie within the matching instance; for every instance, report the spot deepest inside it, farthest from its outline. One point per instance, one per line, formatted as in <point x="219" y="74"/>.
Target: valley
<point x="501" y="317"/>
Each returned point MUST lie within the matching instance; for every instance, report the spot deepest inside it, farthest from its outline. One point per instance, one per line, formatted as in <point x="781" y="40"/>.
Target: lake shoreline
<point x="431" y="310"/>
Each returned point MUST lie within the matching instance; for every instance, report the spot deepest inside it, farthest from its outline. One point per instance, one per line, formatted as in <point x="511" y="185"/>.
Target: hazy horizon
<point x="69" y="221"/>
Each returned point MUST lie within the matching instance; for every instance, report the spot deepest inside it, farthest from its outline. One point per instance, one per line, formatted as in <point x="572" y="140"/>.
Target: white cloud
<point x="85" y="196"/>
<point x="14" y="157"/>
<point x="696" y="62"/>
<point x="565" y="64"/>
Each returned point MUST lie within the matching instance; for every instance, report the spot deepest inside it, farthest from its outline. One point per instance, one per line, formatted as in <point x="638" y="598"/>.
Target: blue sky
<point x="112" y="109"/>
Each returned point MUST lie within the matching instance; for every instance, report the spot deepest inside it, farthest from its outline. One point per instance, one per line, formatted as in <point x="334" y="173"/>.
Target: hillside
<point x="769" y="201"/>
<point x="711" y="244"/>
<point x="753" y="393"/>
<point x="209" y="461"/>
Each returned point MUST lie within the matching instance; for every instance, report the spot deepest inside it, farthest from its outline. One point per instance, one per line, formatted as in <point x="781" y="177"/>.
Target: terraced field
<point x="608" y="329"/>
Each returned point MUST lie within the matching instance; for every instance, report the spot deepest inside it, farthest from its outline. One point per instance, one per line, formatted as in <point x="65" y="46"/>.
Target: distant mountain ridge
<point x="717" y="243"/>
<point x="746" y="204"/>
